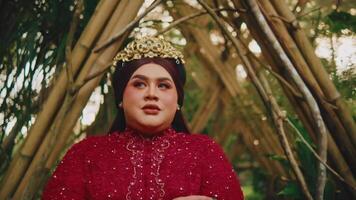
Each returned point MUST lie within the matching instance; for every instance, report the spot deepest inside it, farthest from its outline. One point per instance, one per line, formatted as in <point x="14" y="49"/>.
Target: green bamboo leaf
<point x="291" y="190"/>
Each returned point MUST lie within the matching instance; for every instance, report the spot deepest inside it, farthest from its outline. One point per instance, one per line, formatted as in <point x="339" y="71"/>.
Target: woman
<point x="150" y="153"/>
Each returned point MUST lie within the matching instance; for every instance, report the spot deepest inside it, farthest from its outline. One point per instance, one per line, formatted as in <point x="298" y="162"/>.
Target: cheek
<point x="170" y="100"/>
<point x="130" y="95"/>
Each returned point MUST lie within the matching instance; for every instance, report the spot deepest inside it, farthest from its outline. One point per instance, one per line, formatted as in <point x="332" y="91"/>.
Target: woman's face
<point x="150" y="99"/>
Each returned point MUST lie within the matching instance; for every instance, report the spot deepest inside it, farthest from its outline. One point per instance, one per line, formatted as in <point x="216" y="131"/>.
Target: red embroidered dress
<point x="129" y="166"/>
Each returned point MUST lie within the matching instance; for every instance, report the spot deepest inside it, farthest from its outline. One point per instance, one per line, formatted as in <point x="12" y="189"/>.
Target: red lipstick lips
<point x="151" y="109"/>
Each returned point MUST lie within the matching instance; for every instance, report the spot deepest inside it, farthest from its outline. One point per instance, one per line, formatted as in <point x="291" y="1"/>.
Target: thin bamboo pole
<point x="332" y="121"/>
<point x="94" y="63"/>
<point x="204" y="112"/>
<point x="322" y="141"/>
<point x="189" y="33"/>
<point x="277" y="116"/>
<point x="318" y="70"/>
<point x="258" y="150"/>
<point x="44" y="118"/>
<point x="200" y="36"/>
<point x="105" y="116"/>
<point x="267" y="142"/>
<point x="301" y="110"/>
<point x="299" y="106"/>
<point x="211" y="62"/>
<point x="236" y="151"/>
<point x="339" y="126"/>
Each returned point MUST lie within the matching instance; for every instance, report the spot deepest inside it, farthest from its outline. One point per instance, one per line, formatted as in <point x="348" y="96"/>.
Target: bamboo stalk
<point x="83" y="95"/>
<point x="318" y="157"/>
<point x="105" y="116"/>
<point x="128" y="26"/>
<point x="204" y="112"/>
<point x="68" y="49"/>
<point x="208" y="49"/>
<point x="318" y="70"/>
<point x="336" y="127"/>
<point x="240" y="92"/>
<point x="301" y="110"/>
<point x="24" y="155"/>
<point x="266" y="138"/>
<point x="249" y="137"/>
<point x="209" y="62"/>
<point x="328" y="113"/>
<point x="332" y="121"/>
<point x="322" y="141"/>
<point x="277" y="116"/>
<point x="237" y="150"/>
<point x="271" y="136"/>
<point x="192" y="16"/>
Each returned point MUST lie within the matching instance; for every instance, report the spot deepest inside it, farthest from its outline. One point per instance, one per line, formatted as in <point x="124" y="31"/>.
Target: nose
<point x="151" y="93"/>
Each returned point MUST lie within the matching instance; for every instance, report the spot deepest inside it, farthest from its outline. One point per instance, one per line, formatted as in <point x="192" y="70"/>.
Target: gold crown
<point x="148" y="47"/>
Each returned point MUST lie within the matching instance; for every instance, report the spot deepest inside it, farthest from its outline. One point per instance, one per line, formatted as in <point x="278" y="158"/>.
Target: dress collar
<point x="132" y="133"/>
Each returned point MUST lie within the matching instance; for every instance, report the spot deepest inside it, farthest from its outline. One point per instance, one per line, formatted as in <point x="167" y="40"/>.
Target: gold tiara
<point x="148" y="47"/>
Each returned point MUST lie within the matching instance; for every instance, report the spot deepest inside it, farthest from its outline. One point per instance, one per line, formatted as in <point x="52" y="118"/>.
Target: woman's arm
<point x="218" y="177"/>
<point x="67" y="182"/>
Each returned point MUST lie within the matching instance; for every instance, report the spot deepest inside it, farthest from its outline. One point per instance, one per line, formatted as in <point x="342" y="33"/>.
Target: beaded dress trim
<point x="136" y="145"/>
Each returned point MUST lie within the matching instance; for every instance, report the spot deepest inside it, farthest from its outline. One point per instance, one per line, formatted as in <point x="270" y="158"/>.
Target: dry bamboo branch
<point x="302" y="111"/>
<point x="267" y="98"/>
<point x="186" y="18"/>
<point x="127" y="27"/>
<point x="276" y="75"/>
<point x="323" y="79"/>
<point x="311" y="11"/>
<point x="318" y="157"/>
<point x="322" y="140"/>
<point x="76" y="87"/>
<point x="68" y="49"/>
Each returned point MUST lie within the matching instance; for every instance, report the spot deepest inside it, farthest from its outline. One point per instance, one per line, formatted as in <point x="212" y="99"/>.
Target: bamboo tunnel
<point x="231" y="108"/>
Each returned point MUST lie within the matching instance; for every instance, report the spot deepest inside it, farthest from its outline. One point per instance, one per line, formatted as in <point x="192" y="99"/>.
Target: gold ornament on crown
<point x="148" y="47"/>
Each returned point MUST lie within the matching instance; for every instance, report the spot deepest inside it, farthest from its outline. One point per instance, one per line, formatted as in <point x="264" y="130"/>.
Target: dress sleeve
<point x="67" y="181"/>
<point x="218" y="177"/>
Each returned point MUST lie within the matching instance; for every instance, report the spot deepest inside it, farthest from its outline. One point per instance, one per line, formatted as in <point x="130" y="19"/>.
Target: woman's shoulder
<point x="94" y="141"/>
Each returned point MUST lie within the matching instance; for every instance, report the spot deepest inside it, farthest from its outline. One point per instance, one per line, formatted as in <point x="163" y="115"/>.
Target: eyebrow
<point x="139" y="76"/>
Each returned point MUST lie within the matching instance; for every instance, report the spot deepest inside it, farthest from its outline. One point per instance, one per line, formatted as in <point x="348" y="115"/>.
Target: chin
<point x="153" y="127"/>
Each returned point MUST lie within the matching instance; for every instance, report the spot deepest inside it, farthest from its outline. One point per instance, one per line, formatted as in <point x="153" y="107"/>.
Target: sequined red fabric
<point x="129" y="166"/>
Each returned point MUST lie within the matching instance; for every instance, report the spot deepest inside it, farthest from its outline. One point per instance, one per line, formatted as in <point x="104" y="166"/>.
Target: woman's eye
<point x="139" y="84"/>
<point x="164" y="85"/>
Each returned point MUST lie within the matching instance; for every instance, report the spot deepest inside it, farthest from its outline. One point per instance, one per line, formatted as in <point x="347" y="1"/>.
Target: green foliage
<point x="210" y="26"/>
<point x="339" y="20"/>
<point x="291" y="190"/>
<point x="193" y="95"/>
<point x="255" y="186"/>
<point x="346" y="83"/>
<point x="230" y="142"/>
<point x="308" y="165"/>
<point x="281" y="159"/>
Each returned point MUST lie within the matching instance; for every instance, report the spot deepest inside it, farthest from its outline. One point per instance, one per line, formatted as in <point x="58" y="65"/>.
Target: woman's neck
<point x="147" y="134"/>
